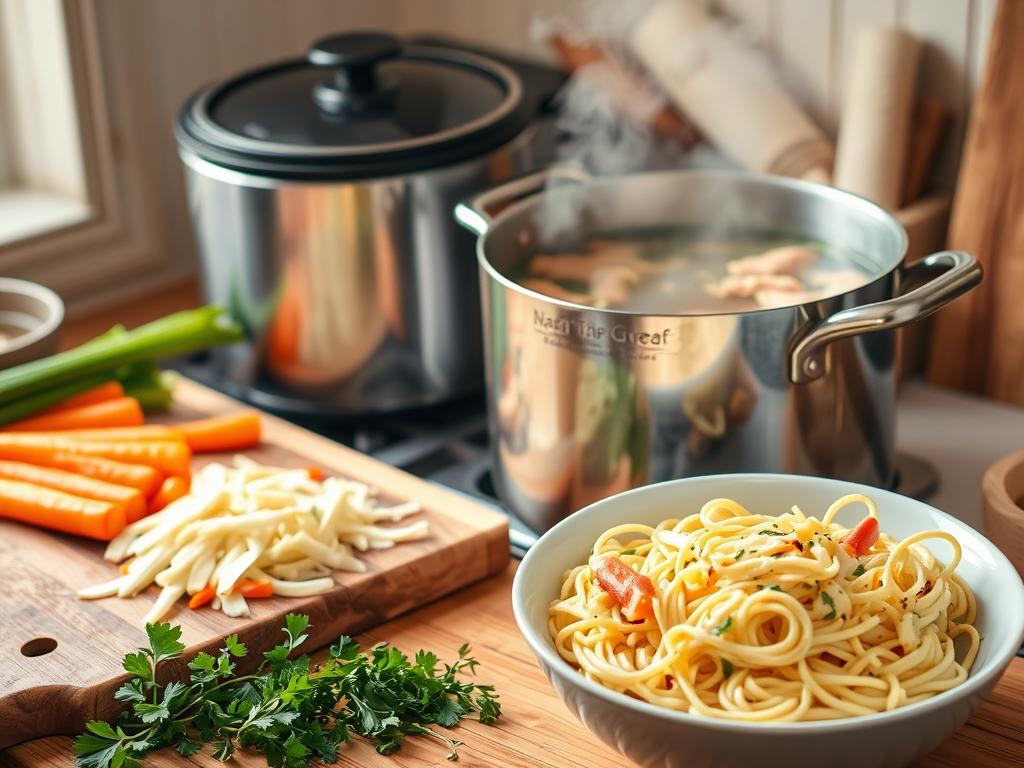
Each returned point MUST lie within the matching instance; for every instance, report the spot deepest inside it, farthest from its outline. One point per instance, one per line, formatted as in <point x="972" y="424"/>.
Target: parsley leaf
<point x="293" y="714"/>
<point x="859" y="570"/>
<point x="722" y="628"/>
<point x="234" y="647"/>
<point x="826" y="598"/>
<point x="740" y="554"/>
<point x="164" y="641"/>
<point x="137" y="664"/>
<point x="726" y="667"/>
<point x="628" y="552"/>
<point x="770" y="532"/>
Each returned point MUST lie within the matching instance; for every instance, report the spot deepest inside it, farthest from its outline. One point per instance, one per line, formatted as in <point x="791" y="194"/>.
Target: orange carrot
<point x="142" y="433"/>
<point x="130" y="499"/>
<point x="167" y="456"/>
<point x="122" y="412"/>
<point x="172" y="489"/>
<point x="45" y="507"/>
<point x="109" y="391"/>
<point x="231" y="432"/>
<point x="315" y="473"/>
<point x="202" y="597"/>
<point x="253" y="588"/>
<point x="633" y="591"/>
<point x="860" y="539"/>
<point x="146" y="479"/>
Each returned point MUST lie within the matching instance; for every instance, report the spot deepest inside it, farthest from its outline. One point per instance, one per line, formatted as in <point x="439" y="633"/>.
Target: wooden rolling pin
<point x="731" y="98"/>
<point x="878" y="103"/>
<point x="978" y="341"/>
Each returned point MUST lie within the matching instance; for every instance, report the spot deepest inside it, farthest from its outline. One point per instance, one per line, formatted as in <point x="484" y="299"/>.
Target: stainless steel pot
<point x="321" y="192"/>
<point x="584" y="402"/>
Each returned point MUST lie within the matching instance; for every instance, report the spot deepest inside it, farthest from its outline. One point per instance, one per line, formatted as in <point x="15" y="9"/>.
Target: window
<point x="42" y="176"/>
<point x="81" y="203"/>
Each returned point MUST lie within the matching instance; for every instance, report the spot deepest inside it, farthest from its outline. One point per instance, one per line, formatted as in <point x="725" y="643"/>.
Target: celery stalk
<point x="149" y="385"/>
<point x="170" y="336"/>
<point x="32" y="404"/>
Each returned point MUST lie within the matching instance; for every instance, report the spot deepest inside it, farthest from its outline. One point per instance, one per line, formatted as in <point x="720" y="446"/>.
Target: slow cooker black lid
<point x="360" y="105"/>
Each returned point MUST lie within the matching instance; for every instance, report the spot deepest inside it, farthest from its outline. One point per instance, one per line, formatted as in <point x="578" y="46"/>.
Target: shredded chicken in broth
<point x="673" y="275"/>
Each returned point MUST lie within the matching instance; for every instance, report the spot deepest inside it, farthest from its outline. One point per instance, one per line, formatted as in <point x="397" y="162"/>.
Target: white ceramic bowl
<point x="652" y="736"/>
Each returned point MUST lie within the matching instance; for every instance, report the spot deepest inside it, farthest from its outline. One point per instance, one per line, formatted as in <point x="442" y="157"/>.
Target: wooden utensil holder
<point x="1002" y="491"/>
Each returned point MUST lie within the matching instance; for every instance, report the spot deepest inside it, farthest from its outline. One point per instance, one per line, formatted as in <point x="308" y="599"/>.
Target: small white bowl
<point x="652" y="736"/>
<point x="30" y="320"/>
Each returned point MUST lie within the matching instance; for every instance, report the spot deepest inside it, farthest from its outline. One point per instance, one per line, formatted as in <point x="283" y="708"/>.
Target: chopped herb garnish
<point x="859" y="570"/>
<point x="722" y="628"/>
<point x="826" y="598"/>
<point x="628" y="552"/>
<point x="811" y="543"/>
<point x="726" y="667"/>
<point x="769" y="532"/>
<point x="740" y="554"/>
<point x="776" y="587"/>
<point x="292" y="713"/>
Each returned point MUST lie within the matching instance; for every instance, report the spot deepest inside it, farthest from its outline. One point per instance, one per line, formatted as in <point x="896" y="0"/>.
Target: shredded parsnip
<point x="252" y="521"/>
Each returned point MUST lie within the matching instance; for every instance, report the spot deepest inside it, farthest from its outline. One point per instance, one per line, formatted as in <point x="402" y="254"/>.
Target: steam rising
<point x="606" y="135"/>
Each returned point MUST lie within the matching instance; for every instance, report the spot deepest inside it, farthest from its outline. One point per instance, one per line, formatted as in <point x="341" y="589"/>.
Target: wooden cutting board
<point x="60" y="657"/>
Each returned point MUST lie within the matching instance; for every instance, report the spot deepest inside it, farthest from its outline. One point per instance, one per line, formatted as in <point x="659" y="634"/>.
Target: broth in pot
<point x="685" y="273"/>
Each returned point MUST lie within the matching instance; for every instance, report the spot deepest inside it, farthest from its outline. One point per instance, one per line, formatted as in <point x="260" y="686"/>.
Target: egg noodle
<point x="770" y="619"/>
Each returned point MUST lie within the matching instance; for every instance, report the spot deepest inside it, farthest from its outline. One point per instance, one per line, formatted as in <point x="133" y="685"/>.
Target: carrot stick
<point x="254" y="588"/>
<point x="131" y="499"/>
<point x="633" y="591"/>
<point x="146" y="479"/>
<point x="173" y="488"/>
<point x="109" y="391"/>
<point x="120" y="412"/>
<point x="315" y="473"/>
<point x="45" y="507"/>
<point x="136" y="434"/>
<point x="231" y="432"/>
<point x="169" y="457"/>
<point x="202" y="597"/>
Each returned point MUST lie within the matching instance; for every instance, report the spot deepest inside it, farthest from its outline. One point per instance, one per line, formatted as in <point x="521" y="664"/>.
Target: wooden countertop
<point x="536" y="729"/>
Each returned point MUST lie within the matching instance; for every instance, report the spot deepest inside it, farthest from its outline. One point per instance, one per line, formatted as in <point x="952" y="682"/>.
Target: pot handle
<point x="474" y="213"/>
<point x="961" y="272"/>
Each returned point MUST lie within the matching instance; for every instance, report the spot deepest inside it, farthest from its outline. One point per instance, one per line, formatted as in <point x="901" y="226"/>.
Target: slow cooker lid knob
<point x="354" y="57"/>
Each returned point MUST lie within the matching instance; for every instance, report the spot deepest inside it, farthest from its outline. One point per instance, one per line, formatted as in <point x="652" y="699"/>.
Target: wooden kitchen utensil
<point x="1002" y="491"/>
<point x="727" y="93"/>
<point x="874" y="126"/>
<point x="978" y="341"/>
<point x="927" y="127"/>
<point x="60" y="657"/>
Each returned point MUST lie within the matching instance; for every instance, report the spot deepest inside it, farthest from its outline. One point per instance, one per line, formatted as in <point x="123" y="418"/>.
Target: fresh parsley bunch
<point x="288" y="711"/>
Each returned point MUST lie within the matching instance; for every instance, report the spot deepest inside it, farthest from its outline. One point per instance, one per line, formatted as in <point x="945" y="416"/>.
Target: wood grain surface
<point x="57" y="691"/>
<point x="978" y="341"/>
<point x="536" y="730"/>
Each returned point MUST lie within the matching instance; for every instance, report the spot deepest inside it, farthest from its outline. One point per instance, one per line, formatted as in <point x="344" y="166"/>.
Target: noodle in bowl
<point x="760" y="639"/>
